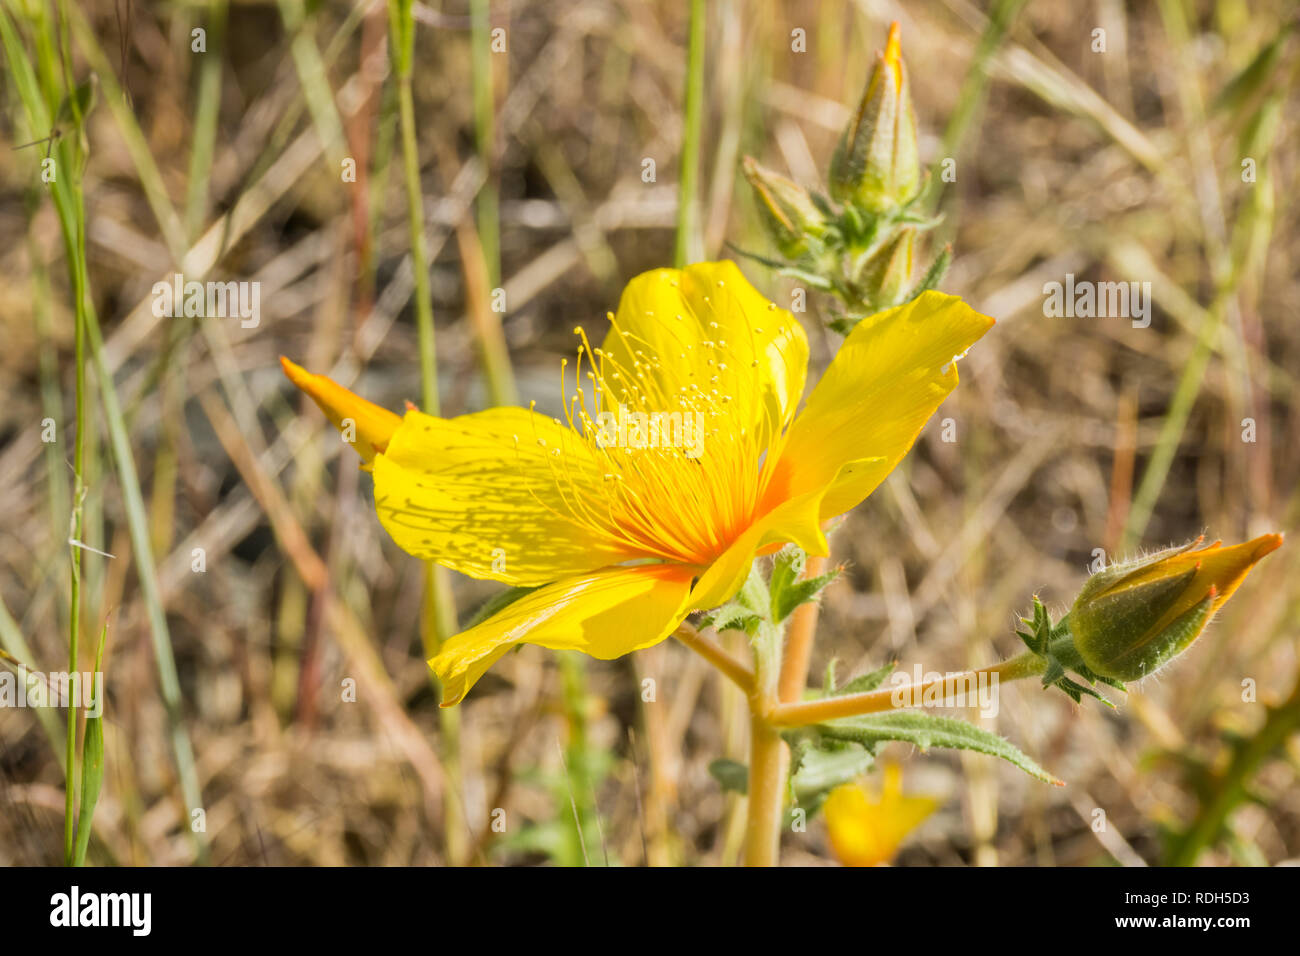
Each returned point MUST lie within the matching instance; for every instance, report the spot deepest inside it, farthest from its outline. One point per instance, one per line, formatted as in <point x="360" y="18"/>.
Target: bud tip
<point x="893" y="46"/>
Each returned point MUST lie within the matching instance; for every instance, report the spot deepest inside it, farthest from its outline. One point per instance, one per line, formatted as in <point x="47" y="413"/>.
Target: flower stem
<point x="874" y="702"/>
<point x="769" y="758"/>
<point x="733" y="669"/>
<point x="799" y="640"/>
<point x="769" y="761"/>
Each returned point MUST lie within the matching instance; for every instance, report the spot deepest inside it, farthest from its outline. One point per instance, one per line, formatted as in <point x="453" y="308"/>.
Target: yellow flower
<point x="866" y="828"/>
<point x="654" y="493"/>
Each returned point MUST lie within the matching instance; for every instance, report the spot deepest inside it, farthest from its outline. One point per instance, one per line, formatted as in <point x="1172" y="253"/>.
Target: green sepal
<point x="747" y="611"/>
<point x="788" y="588"/>
<point x="733" y="617"/>
<point x="844" y="324"/>
<point x="933" y="274"/>
<point x="1054" y="644"/>
<point x="787" y="567"/>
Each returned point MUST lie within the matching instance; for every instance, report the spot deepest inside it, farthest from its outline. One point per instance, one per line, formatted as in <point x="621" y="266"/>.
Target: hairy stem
<point x="799" y="640"/>
<point x="733" y="669"/>
<point x="873" y="702"/>
<point x="769" y="762"/>
<point x="769" y="758"/>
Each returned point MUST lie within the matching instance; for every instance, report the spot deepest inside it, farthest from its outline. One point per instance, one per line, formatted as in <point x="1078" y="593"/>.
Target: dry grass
<point x="1112" y="166"/>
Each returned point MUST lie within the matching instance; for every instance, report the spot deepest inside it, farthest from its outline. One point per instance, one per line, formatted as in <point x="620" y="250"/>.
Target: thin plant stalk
<point x="488" y="202"/>
<point x="208" y="104"/>
<point x="1171" y="429"/>
<point x="67" y="201"/>
<point x="74" y="617"/>
<point x="439" y="617"/>
<point x="687" y="181"/>
<point x="70" y="158"/>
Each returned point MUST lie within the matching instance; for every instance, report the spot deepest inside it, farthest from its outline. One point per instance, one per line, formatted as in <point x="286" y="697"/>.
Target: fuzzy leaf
<point x="733" y="617"/>
<point x="868" y="681"/>
<point x="801" y="591"/>
<point x="821" y="771"/>
<point x="787" y="567"/>
<point x="929" y="730"/>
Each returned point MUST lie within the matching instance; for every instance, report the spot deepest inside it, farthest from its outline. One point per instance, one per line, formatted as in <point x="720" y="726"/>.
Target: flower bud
<point x="787" y="211"/>
<point x="876" y="163"/>
<point x="1131" y="618"/>
<point x="887" y="276"/>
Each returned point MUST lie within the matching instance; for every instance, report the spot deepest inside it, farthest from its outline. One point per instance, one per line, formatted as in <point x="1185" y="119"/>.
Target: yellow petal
<point x="1219" y="570"/>
<point x="371" y="424"/>
<point x="705" y="327"/>
<point x="792" y="522"/>
<point x="887" y="379"/>
<point x="497" y="494"/>
<point x="606" y="614"/>
<point x="867" y="829"/>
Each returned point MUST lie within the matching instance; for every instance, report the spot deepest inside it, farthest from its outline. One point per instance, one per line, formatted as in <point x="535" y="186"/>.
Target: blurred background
<point x="264" y="656"/>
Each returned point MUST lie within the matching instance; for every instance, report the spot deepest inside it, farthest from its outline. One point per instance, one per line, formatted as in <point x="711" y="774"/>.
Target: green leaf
<point x="775" y="264"/>
<point x="788" y="588"/>
<point x="754" y="594"/>
<point x="844" y="324"/>
<point x="930" y="730"/>
<point x="820" y="771"/>
<point x="801" y="593"/>
<point x="861" y="684"/>
<point x="1253" y="77"/>
<point x="818" y="282"/>
<point x="787" y="567"/>
<point x="828" y="683"/>
<point x="733" y="617"/>
<point x="92" y="759"/>
<point x="868" y="681"/>
<point x="731" y="775"/>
